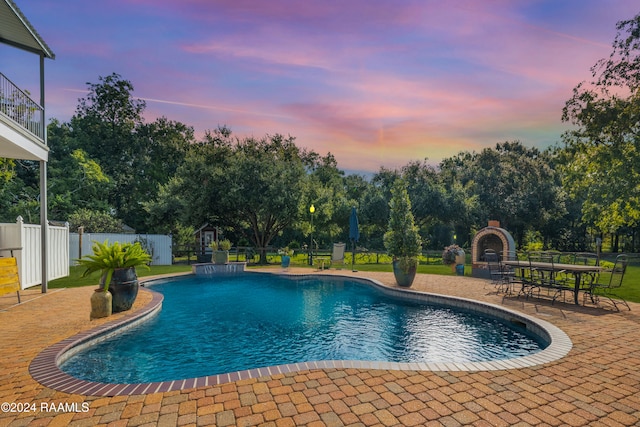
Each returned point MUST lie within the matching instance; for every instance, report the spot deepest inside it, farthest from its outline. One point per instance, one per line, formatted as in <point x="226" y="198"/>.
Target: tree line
<point x="108" y="167"/>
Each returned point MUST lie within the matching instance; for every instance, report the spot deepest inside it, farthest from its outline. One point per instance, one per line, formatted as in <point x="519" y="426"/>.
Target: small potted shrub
<point x="117" y="263"/>
<point x="285" y="257"/>
<point x="402" y="239"/>
<point x="220" y="251"/>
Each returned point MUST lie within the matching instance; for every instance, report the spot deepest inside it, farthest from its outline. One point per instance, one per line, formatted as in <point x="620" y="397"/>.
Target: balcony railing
<point x="16" y="105"/>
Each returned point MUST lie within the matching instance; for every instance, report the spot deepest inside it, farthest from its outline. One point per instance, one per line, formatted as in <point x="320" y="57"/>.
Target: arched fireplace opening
<point x="491" y="237"/>
<point x="489" y="241"/>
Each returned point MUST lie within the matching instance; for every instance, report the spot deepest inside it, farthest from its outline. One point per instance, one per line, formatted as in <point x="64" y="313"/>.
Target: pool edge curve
<point x="44" y="368"/>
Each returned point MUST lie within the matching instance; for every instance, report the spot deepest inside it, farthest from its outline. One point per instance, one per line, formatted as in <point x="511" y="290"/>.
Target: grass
<point x="630" y="289"/>
<point x="75" y="279"/>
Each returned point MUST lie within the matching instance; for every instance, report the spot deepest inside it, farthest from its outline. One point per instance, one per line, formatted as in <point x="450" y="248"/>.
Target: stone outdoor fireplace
<point x="491" y="237"/>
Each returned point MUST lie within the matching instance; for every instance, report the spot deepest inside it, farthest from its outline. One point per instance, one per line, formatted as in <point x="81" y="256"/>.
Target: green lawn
<point x="75" y="279"/>
<point x="630" y="290"/>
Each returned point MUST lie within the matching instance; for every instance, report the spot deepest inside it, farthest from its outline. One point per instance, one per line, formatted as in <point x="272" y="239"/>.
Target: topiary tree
<point x="402" y="239"/>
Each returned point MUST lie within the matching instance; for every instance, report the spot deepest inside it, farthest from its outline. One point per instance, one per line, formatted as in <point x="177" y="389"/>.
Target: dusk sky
<point x="376" y="83"/>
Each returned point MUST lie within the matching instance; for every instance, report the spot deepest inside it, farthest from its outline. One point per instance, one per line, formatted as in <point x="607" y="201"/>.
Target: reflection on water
<point x="214" y="326"/>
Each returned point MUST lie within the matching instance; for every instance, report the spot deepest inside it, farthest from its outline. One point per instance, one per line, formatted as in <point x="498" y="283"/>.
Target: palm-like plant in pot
<point x="117" y="263"/>
<point x="402" y="239"/>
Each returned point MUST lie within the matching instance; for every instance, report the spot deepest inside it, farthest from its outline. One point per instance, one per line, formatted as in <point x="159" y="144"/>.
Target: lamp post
<point x="312" y="209"/>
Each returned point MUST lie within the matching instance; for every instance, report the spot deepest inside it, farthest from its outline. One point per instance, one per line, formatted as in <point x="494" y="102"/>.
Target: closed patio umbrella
<point x="354" y="233"/>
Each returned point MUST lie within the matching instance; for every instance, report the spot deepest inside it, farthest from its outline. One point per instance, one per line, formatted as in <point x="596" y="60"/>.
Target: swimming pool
<point x="213" y="326"/>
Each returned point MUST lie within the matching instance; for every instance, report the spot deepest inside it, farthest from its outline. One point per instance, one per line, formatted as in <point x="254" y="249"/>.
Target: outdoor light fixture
<point x="312" y="209"/>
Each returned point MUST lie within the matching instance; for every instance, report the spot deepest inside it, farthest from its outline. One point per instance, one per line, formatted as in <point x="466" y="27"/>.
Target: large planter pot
<point x="459" y="259"/>
<point x="220" y="257"/>
<point x="123" y="288"/>
<point x="286" y="260"/>
<point x="101" y="301"/>
<point x="404" y="279"/>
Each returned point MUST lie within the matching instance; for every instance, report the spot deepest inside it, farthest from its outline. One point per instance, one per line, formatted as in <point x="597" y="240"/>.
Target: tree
<point x="601" y="162"/>
<point x="511" y="183"/>
<point x="138" y="157"/>
<point x="427" y="196"/>
<point x="94" y="222"/>
<point x="326" y="190"/>
<point x="253" y="186"/>
<point x="373" y="216"/>
<point x="196" y="194"/>
<point x="20" y="191"/>
<point x="7" y="175"/>
<point x="402" y="239"/>
<point x="7" y="169"/>
<point x="267" y="178"/>
<point x="437" y="207"/>
<point x="75" y="180"/>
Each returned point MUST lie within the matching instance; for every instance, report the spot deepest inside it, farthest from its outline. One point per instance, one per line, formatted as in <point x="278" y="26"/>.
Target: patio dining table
<point x="577" y="270"/>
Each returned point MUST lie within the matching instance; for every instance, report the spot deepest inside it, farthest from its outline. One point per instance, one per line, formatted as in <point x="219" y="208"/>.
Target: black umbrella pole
<point x="353" y="254"/>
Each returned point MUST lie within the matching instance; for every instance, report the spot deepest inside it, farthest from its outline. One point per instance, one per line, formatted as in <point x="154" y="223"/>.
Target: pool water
<point x="214" y="326"/>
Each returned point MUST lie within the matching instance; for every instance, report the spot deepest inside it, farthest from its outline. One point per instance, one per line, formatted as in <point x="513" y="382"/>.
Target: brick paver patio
<point x="597" y="384"/>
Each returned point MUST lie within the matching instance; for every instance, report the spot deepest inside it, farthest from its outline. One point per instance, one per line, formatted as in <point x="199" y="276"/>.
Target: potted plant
<point x="117" y="263"/>
<point x="220" y="251"/>
<point x="402" y="239"/>
<point x="285" y="257"/>
<point x="453" y="255"/>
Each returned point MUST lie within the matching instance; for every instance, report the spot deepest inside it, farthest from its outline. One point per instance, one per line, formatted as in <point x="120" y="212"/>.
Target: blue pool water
<point x="213" y="326"/>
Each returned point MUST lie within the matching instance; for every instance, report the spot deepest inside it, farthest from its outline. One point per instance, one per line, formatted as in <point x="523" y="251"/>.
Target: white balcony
<point x="22" y="125"/>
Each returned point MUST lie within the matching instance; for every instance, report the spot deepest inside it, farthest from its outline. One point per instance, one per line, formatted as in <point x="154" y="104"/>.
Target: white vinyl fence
<point x="157" y="245"/>
<point x="28" y="238"/>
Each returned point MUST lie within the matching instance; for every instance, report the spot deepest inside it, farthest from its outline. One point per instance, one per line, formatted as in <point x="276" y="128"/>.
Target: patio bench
<point x="9" y="279"/>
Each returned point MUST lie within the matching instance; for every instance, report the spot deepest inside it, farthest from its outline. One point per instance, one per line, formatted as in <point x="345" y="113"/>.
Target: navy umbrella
<point x="354" y="233"/>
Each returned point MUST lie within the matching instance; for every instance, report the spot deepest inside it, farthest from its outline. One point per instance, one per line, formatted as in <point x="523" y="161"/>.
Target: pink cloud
<point x="376" y="83"/>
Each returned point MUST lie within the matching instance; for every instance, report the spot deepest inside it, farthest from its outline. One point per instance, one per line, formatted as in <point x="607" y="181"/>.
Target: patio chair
<point x="560" y="281"/>
<point x="587" y="258"/>
<point x="607" y="289"/>
<point x="556" y="256"/>
<point x="501" y="277"/>
<point x="337" y="255"/>
<point x="547" y="276"/>
<point x="516" y="268"/>
<point x="535" y="277"/>
<point x="9" y="278"/>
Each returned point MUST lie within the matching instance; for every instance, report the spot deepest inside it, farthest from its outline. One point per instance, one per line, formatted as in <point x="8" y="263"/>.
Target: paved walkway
<point x="597" y="384"/>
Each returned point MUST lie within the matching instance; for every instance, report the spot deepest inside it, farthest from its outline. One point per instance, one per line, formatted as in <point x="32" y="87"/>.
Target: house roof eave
<point x="17" y="31"/>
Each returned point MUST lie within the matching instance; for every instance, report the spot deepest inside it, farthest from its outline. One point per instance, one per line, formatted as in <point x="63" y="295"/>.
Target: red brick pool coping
<point x="45" y="367"/>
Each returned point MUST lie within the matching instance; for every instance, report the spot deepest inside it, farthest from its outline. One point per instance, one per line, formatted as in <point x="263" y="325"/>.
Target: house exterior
<point x="22" y="119"/>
